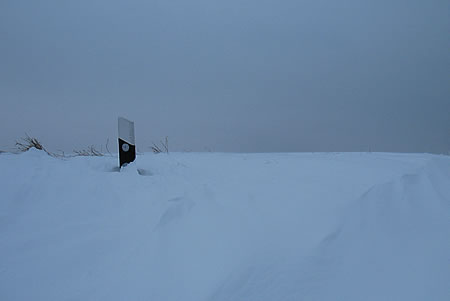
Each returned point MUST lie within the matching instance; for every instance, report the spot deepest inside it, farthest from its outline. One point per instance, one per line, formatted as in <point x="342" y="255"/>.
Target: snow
<point x="212" y="226"/>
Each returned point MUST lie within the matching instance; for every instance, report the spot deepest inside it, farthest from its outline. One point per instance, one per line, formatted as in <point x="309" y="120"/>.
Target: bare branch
<point x="164" y="148"/>
<point x="90" y="151"/>
<point x="28" y="143"/>
<point x="107" y="148"/>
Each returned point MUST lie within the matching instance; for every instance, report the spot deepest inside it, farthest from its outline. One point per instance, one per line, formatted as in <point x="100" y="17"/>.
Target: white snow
<point x="250" y="227"/>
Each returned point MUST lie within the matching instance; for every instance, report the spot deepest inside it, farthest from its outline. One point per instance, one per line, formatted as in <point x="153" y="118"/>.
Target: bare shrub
<point x="107" y="148"/>
<point x="162" y="148"/>
<point x="27" y="143"/>
<point x="89" y="151"/>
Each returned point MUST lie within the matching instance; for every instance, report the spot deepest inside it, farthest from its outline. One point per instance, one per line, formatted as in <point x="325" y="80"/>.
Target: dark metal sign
<point x="127" y="145"/>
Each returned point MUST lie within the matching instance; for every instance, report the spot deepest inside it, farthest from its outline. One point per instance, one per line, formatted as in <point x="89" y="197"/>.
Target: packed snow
<point x="222" y="227"/>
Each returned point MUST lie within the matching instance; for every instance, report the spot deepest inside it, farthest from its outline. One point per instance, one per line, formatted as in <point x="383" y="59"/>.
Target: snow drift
<point x="219" y="227"/>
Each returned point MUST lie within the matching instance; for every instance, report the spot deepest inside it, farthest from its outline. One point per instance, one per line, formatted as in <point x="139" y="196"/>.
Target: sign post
<point x="127" y="145"/>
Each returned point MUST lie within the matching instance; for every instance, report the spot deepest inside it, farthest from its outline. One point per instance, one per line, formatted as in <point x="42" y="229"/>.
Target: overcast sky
<point x="241" y="76"/>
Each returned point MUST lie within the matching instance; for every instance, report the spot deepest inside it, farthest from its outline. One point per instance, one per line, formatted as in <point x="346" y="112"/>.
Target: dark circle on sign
<point x="125" y="147"/>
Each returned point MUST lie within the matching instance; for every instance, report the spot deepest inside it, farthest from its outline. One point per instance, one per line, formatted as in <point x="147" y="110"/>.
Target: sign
<point x="127" y="145"/>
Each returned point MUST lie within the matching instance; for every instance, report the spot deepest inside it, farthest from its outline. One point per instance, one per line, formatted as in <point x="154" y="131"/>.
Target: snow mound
<point x="221" y="227"/>
<point x="393" y="244"/>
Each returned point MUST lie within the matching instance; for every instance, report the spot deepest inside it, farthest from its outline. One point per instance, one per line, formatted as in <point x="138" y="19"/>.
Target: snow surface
<point x="189" y="226"/>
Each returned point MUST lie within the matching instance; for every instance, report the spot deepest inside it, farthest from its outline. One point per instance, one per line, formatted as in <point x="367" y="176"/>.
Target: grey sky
<point x="244" y="76"/>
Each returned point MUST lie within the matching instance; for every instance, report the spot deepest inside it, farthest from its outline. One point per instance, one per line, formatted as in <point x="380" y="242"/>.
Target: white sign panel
<point x="126" y="130"/>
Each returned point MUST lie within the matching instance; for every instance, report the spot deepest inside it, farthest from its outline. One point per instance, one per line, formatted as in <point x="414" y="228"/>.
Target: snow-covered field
<point x="250" y="227"/>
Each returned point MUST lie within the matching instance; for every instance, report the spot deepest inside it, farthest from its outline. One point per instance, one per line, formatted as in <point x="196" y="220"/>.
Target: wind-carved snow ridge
<point x="390" y="246"/>
<point x="393" y="239"/>
<point x="179" y="207"/>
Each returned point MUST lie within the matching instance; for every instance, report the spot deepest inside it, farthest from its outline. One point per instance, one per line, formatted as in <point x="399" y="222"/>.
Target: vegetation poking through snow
<point x="89" y="151"/>
<point x="26" y="143"/>
<point x="162" y="148"/>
